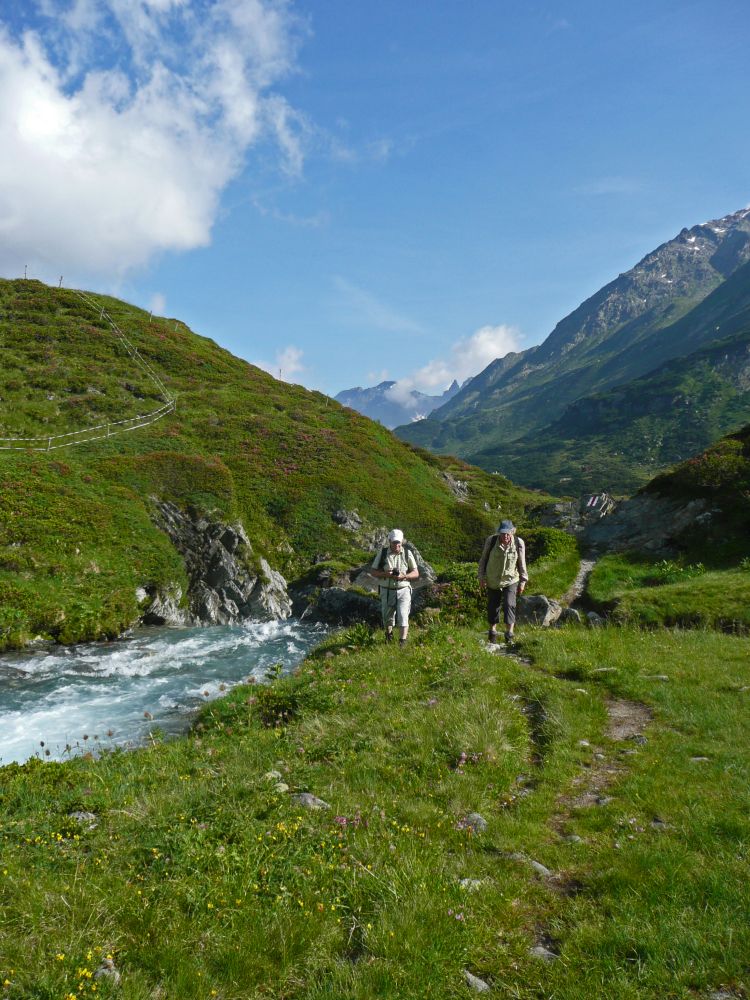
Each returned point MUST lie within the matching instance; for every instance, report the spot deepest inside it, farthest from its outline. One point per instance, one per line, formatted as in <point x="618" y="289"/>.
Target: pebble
<point x="272" y="776"/>
<point x="470" y="884"/>
<point x="540" y="869"/>
<point x="108" y="971"/>
<point x="572" y="838"/>
<point x="473" y="822"/>
<point x="655" y="677"/>
<point x="539" y="951"/>
<point x="281" y="787"/>
<point x="85" y="818"/>
<point x="699" y="760"/>
<point x="475" y="983"/>
<point x="584" y="743"/>
<point x="309" y="801"/>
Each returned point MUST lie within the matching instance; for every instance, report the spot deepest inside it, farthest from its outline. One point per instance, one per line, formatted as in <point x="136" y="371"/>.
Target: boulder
<point x="536" y="609"/>
<point x="337" y="606"/>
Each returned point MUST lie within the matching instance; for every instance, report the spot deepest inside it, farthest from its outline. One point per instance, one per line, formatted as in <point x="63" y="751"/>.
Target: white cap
<point x="396" y="535"/>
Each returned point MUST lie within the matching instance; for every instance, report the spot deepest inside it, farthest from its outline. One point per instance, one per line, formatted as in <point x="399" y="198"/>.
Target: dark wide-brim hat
<point x="506" y="526"/>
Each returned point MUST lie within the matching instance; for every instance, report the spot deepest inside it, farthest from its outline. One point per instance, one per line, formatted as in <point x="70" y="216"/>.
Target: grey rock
<point x="699" y="760"/>
<point x="572" y="838"/>
<point x="595" y="620"/>
<point x="458" y="487"/>
<point x="108" y="972"/>
<point x="281" y="787"/>
<point x="539" y="951"/>
<point x="87" y="819"/>
<point x="537" y="609"/>
<point x="224" y="588"/>
<point x="338" y="606"/>
<point x="347" y="519"/>
<point x="569" y="616"/>
<point x="473" y="822"/>
<point x="475" y="983"/>
<point x="273" y="776"/>
<point x="165" y="608"/>
<point x="646" y="521"/>
<point x="471" y="884"/>
<point x="540" y="869"/>
<point x="308" y="801"/>
<point x="655" y="677"/>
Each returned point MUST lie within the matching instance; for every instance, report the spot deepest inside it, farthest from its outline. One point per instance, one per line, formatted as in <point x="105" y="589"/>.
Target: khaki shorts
<point x="395" y="606"/>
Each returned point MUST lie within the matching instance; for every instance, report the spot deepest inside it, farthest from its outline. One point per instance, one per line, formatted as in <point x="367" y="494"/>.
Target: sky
<point x="345" y="191"/>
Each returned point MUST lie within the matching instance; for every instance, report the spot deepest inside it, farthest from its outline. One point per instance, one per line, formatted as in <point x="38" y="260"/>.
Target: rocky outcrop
<point x="228" y="584"/>
<point x="537" y="609"/>
<point x="647" y="522"/>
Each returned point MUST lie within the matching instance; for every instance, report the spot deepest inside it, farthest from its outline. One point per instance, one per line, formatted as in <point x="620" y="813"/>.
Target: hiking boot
<point x="492" y="637"/>
<point x="509" y="638"/>
<point x="402" y="642"/>
<point x="389" y="636"/>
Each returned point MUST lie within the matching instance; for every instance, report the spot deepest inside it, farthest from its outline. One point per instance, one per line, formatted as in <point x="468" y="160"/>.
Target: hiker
<point x="395" y="567"/>
<point x="502" y="572"/>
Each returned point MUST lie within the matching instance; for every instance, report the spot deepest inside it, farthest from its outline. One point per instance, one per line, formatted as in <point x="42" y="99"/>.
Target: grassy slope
<point x="708" y="584"/>
<point x="620" y="439"/>
<point x="203" y="880"/>
<point x="75" y="534"/>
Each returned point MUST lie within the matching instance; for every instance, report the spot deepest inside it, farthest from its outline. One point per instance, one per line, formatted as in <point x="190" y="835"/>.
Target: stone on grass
<point x="273" y="776"/>
<point x="538" y="609"/>
<point x="595" y="620"/>
<point x="473" y="822"/>
<point x="475" y="983"/>
<point x="86" y="819"/>
<point x="281" y="787"/>
<point x="569" y="616"/>
<point x="308" y="801"/>
<point x="108" y="972"/>
<point x="539" y="951"/>
<point x="471" y="884"/>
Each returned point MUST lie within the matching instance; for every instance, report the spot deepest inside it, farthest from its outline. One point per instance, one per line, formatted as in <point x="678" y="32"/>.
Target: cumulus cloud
<point x="288" y="363"/>
<point x="467" y="357"/>
<point x="121" y="121"/>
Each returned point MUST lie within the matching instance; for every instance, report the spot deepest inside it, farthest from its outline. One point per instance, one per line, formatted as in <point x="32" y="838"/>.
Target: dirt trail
<point x="577" y="587"/>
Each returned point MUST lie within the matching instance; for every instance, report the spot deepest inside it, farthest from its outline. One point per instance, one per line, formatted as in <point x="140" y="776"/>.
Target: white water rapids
<point x="68" y="700"/>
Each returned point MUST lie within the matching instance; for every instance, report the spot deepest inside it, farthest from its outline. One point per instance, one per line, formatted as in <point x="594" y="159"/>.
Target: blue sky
<point x="350" y="191"/>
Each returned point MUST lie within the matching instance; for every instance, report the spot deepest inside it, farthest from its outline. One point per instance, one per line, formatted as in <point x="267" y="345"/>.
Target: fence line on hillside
<point x="99" y="431"/>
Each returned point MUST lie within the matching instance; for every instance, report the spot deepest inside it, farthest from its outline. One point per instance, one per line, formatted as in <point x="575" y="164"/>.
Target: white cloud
<point x="288" y="363"/>
<point x="467" y="357"/>
<point x="121" y="121"/>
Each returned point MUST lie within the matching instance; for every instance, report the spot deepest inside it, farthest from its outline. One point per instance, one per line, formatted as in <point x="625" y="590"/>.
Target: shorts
<point x="505" y="598"/>
<point x="395" y="605"/>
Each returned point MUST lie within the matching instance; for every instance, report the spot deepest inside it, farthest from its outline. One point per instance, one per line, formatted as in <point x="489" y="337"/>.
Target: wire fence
<point x="99" y="432"/>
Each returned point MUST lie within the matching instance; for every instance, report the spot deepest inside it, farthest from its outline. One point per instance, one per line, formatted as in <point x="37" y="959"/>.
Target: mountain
<point x="186" y="450"/>
<point x="381" y="403"/>
<point x="618" y="439"/>
<point x="626" y="330"/>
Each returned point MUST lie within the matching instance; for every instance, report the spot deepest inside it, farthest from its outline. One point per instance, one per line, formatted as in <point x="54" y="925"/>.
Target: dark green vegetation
<point x="648" y="371"/>
<point x="76" y="536"/>
<point x="203" y="878"/>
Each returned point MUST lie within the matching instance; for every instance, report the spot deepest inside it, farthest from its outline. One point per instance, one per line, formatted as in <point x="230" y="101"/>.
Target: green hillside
<point x="617" y="440"/>
<point x="76" y="532"/>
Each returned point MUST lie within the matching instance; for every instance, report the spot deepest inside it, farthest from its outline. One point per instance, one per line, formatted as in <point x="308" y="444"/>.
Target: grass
<point x="647" y="592"/>
<point x="204" y="878"/>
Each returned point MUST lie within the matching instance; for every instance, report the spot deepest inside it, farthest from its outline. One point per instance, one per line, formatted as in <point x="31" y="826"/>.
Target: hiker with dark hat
<point x="502" y="572"/>
<point x="395" y="567"/>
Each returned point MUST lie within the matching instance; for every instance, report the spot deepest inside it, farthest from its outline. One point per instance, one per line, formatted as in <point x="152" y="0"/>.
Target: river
<point x="61" y="701"/>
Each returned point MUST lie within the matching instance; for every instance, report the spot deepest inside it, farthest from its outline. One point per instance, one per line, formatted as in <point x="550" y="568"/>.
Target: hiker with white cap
<point x="502" y="572"/>
<point x="395" y="567"/>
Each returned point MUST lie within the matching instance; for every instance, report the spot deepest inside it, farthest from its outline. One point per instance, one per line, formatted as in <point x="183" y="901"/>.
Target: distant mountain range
<point x="391" y="407"/>
<point x="646" y="372"/>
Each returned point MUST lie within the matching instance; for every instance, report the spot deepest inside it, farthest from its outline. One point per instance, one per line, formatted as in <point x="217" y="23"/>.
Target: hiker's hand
<point x="483" y="584"/>
<point x="521" y="587"/>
